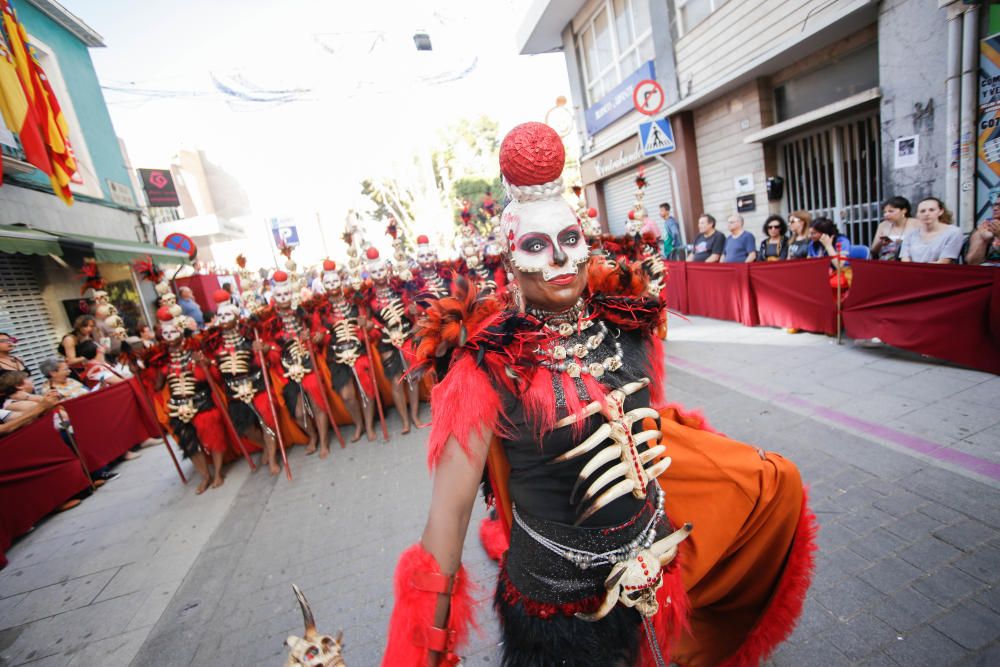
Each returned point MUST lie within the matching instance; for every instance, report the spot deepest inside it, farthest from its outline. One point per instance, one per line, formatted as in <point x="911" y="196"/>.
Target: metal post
<point x="970" y="109"/>
<point x="952" y="109"/>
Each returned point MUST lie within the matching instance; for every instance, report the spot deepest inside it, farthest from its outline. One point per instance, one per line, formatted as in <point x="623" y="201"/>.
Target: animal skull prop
<point x="634" y="582"/>
<point x="313" y="649"/>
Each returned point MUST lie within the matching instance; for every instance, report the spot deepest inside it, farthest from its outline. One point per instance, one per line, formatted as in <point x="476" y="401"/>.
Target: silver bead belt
<point x="586" y="560"/>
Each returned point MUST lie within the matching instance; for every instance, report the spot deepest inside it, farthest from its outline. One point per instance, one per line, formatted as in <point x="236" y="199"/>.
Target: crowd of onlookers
<point x="80" y="368"/>
<point x="927" y="235"/>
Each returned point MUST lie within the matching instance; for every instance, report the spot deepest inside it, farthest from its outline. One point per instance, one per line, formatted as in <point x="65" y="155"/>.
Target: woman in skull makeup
<point x="554" y="399"/>
<point x="285" y="333"/>
<point x="335" y="324"/>
<point x="194" y="419"/>
<point x="392" y="310"/>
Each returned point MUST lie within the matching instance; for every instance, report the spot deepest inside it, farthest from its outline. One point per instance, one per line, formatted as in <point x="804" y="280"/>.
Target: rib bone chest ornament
<point x="294" y="354"/>
<point x="433" y="283"/>
<point x="392" y="314"/>
<point x="182" y="384"/>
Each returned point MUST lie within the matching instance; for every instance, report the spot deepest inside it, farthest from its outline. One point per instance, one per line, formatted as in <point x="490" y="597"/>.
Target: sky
<point x="338" y="89"/>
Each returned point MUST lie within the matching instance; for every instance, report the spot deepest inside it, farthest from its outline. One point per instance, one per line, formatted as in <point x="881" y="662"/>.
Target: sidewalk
<point x="900" y="454"/>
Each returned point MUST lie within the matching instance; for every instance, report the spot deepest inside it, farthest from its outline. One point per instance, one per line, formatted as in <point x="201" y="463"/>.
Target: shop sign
<point x="618" y="102"/>
<point x="159" y="187"/>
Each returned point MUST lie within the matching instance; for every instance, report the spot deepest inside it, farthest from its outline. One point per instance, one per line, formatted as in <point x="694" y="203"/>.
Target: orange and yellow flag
<point x="42" y="100"/>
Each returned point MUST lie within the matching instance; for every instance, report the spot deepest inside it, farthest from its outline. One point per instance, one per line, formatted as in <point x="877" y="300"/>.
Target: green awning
<point x="15" y="239"/>
<point x="126" y="252"/>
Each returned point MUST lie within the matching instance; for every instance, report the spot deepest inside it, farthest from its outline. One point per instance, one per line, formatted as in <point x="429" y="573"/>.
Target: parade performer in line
<point x="335" y="325"/>
<point x="193" y="418"/>
<point x="234" y="355"/>
<point x="392" y="310"/>
<point x="638" y="536"/>
<point x="472" y="256"/>
<point x="284" y="331"/>
<point x="435" y="277"/>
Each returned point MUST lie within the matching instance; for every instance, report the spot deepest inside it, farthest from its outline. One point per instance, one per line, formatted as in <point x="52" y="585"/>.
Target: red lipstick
<point x="565" y="279"/>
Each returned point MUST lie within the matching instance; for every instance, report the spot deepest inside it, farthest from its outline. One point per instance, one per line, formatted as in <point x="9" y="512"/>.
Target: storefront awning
<point x="26" y="241"/>
<point x="122" y="252"/>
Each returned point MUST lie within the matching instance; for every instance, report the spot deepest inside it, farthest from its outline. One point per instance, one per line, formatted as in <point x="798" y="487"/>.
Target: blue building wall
<point x="85" y="92"/>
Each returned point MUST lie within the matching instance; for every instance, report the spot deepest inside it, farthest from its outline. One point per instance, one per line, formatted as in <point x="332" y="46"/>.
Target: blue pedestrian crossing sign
<point x="656" y="137"/>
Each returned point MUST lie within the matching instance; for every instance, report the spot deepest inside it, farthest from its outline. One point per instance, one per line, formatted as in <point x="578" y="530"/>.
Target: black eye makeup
<point x="534" y="244"/>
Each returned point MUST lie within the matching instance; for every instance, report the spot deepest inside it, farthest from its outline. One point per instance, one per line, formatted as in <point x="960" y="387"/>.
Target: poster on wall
<point x="907" y="152"/>
<point x="988" y="133"/>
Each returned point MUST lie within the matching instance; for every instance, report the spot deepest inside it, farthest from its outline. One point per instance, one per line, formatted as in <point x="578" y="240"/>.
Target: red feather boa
<point x="494" y="538"/>
<point x="414" y="611"/>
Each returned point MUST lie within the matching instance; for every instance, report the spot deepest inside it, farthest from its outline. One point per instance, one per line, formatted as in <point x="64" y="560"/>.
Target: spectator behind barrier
<point x="896" y="224"/>
<point x="672" y="235"/>
<point x="97" y="373"/>
<point x="774" y="247"/>
<point x="984" y="244"/>
<point x="709" y="244"/>
<point x="8" y="362"/>
<point x="83" y="329"/>
<point x="190" y="307"/>
<point x="935" y="240"/>
<point x="798" y="243"/>
<point x="824" y="239"/>
<point x="741" y="246"/>
<point x="56" y="372"/>
<point x="17" y="392"/>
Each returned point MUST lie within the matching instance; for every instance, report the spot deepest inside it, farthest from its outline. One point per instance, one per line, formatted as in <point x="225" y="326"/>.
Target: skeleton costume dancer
<point x="390" y="308"/>
<point x="557" y="395"/>
<point x="433" y="275"/>
<point x="284" y="331"/>
<point x="335" y="324"/>
<point x="194" y="419"/>
<point x="235" y="355"/>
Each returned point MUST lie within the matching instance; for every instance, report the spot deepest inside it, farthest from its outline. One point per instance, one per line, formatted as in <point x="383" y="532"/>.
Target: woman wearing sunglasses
<point x="8" y="362"/>
<point x="774" y="247"/>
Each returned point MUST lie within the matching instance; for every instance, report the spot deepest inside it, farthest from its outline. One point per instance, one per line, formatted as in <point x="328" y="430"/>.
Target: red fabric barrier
<point x="677" y="300"/>
<point x="794" y="295"/>
<point x="949" y="312"/>
<point x="109" y="422"/>
<point x="38" y="472"/>
<point x="721" y="291"/>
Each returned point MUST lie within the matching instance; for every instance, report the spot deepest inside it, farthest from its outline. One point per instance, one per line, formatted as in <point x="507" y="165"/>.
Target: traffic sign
<point x="648" y="97"/>
<point x="656" y="137"/>
<point x="181" y="242"/>
<point x="285" y="232"/>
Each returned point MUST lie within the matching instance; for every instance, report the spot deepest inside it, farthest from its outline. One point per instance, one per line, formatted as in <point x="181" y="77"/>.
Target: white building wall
<point x="742" y="31"/>
<point x="720" y="127"/>
<point x="44" y="211"/>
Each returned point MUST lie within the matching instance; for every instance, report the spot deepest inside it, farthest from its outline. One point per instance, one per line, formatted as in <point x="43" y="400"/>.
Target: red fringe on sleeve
<point x="463" y="404"/>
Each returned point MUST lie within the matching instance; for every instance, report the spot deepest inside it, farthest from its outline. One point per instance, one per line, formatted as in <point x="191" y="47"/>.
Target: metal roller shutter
<point x="23" y="313"/>
<point x="619" y="194"/>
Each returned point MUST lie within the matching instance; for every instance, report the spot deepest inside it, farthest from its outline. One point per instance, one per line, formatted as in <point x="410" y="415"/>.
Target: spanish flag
<point x="18" y="115"/>
<point x="51" y="122"/>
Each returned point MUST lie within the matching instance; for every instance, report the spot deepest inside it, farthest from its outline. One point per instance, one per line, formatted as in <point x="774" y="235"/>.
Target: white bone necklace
<point x="571" y="359"/>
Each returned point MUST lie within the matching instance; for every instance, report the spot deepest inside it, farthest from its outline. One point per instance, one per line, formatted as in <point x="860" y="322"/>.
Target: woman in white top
<point x="936" y="240"/>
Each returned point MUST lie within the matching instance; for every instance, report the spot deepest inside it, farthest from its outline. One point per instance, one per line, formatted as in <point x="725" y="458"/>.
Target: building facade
<point x="43" y="242"/>
<point x="776" y="105"/>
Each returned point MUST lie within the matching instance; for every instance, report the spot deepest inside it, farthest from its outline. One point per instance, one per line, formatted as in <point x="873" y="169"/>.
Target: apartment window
<point x="692" y="12"/>
<point x="612" y="45"/>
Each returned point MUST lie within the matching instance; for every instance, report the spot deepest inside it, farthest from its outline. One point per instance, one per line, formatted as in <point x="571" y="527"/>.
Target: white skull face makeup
<point x="378" y="271"/>
<point x="426" y="257"/>
<point x="227" y="315"/>
<point x="283" y="295"/>
<point x="332" y="282"/>
<point x="168" y="299"/>
<point x="633" y="227"/>
<point x="170" y="332"/>
<point x="544" y="236"/>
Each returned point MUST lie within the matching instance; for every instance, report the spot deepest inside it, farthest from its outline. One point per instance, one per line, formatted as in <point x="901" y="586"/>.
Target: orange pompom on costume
<point x="637" y="534"/>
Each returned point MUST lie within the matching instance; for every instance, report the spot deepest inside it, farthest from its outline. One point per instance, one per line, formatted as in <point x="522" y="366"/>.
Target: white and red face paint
<point x="332" y="282"/>
<point x="282" y="295"/>
<point x="170" y="332"/>
<point x="544" y="236"/>
<point x="227" y="314"/>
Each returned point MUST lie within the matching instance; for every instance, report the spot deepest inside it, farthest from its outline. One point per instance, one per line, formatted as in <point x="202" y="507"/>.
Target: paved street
<point x="902" y="456"/>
